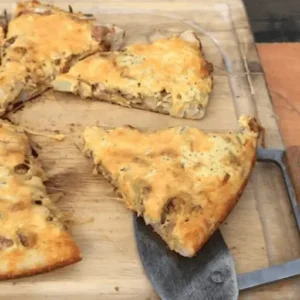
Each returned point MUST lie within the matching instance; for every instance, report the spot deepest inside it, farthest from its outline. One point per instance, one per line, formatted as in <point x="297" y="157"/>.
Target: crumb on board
<point x="117" y="288"/>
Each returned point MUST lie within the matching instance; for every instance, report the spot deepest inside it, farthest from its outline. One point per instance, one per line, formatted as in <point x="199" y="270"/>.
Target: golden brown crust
<point x="184" y="182"/>
<point x="76" y="257"/>
<point x="169" y="76"/>
<point x="33" y="238"/>
<point x="42" y="270"/>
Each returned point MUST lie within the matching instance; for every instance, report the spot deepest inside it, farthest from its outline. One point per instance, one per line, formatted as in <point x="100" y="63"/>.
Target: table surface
<point x="279" y="62"/>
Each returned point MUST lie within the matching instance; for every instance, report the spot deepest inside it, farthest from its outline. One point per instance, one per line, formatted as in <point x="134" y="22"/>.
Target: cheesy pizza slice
<point x="169" y="76"/>
<point x="33" y="237"/>
<point x="183" y="181"/>
<point x="43" y="41"/>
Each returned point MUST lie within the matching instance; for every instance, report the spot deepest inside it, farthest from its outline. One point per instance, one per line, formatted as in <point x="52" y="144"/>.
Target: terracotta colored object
<point x="281" y="64"/>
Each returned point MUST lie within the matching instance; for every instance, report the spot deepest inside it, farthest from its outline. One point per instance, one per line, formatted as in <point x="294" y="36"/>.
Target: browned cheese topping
<point x="170" y="76"/>
<point x="182" y="180"/>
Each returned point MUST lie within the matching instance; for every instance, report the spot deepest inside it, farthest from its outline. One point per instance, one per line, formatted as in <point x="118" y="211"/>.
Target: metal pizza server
<point x="210" y="275"/>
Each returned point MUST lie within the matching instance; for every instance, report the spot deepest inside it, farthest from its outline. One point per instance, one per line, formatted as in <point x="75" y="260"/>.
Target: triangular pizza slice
<point x="43" y="41"/>
<point x="169" y="76"/>
<point x="33" y="237"/>
<point x="183" y="181"/>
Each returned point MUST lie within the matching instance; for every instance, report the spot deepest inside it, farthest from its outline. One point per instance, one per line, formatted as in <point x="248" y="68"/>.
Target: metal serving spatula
<point x="210" y="275"/>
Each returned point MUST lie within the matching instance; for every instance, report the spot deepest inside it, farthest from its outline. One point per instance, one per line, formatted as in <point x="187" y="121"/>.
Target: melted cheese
<point x="206" y="171"/>
<point x="170" y="66"/>
<point x="32" y="238"/>
<point x="53" y="36"/>
<point x="41" y="42"/>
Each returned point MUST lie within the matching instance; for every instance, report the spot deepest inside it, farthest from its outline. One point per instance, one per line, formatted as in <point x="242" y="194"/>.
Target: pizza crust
<point x="184" y="182"/>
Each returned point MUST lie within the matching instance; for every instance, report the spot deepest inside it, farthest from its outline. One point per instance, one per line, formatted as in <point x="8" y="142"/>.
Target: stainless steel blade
<point x="269" y="275"/>
<point x="210" y="275"/>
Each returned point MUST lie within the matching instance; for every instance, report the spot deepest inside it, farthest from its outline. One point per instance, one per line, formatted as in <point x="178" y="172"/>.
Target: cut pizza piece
<point x="169" y="76"/>
<point x="33" y="238"/>
<point x="43" y="41"/>
<point x="183" y="181"/>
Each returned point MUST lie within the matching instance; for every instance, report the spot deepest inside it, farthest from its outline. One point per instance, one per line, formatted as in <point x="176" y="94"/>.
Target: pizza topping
<point x="70" y="62"/>
<point x="226" y="178"/>
<point x="142" y="190"/>
<point x="173" y="205"/>
<point x="34" y="152"/>
<point x="49" y="218"/>
<point x="27" y="238"/>
<point x="20" y="50"/>
<point x="50" y="215"/>
<point x="21" y="169"/>
<point x="42" y="11"/>
<point x="166" y="210"/>
<point x="18" y="206"/>
<point x="233" y="158"/>
<point x="5" y="242"/>
<point x="37" y="10"/>
<point x="8" y="42"/>
<point x="38" y="202"/>
<point x="98" y="32"/>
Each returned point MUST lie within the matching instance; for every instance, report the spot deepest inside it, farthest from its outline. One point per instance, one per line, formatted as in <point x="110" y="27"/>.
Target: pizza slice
<point x="183" y="181"/>
<point x="33" y="237"/>
<point x="169" y="76"/>
<point x="43" y="41"/>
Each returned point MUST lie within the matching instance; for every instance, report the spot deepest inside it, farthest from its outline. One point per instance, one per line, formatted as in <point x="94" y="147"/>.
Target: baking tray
<point x="111" y="268"/>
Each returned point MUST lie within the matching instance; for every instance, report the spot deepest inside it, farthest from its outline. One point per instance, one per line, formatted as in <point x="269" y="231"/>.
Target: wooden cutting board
<point x="260" y="231"/>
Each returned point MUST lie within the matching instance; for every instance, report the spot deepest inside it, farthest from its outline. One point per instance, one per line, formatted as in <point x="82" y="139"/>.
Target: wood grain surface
<point x="260" y="231"/>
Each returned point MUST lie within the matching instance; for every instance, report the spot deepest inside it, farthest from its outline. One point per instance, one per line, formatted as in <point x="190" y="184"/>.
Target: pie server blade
<point x="210" y="275"/>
